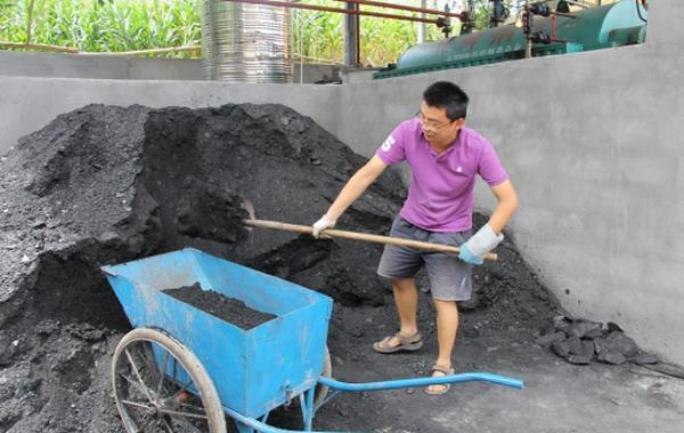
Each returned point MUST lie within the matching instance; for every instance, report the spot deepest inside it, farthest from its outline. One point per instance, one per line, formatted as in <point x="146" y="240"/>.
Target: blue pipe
<point x="260" y="426"/>
<point x="255" y="425"/>
<point x="421" y="381"/>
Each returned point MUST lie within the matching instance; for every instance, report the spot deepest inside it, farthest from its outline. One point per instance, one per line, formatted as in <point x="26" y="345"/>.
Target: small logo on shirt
<point x="387" y="145"/>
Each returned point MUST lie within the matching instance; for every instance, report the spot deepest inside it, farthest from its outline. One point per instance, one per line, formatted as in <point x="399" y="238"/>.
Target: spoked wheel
<point x="161" y="387"/>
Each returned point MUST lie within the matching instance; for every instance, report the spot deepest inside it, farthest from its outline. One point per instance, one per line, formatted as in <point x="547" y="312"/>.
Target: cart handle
<point x="377" y="386"/>
<point x="263" y="427"/>
<point x="421" y="381"/>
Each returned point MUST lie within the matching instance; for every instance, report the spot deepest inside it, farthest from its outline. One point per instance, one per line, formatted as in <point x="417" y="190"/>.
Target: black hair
<point x="445" y="94"/>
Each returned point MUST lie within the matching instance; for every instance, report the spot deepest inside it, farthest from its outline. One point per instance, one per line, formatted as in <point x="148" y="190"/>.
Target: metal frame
<point x="358" y="12"/>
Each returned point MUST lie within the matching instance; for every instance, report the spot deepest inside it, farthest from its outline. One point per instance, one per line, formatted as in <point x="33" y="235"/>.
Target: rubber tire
<point x="216" y="418"/>
<point x="322" y="391"/>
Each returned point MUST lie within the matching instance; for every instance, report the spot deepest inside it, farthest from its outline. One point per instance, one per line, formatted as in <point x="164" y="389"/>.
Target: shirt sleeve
<point x="490" y="168"/>
<point x="393" y="149"/>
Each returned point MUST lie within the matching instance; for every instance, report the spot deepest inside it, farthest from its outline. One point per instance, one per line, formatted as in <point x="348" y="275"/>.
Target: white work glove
<point x="322" y="224"/>
<point x="482" y="242"/>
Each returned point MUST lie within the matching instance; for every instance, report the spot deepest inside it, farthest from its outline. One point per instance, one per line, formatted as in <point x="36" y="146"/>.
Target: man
<point x="444" y="157"/>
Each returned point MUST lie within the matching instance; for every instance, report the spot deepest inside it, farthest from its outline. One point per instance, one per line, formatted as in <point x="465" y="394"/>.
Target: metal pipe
<point x="259" y="426"/>
<point x="563" y="14"/>
<point x="420" y="34"/>
<point x="29" y="22"/>
<point x="404" y="8"/>
<point x="43" y="47"/>
<point x="338" y="10"/>
<point x="149" y="51"/>
<point x="582" y="5"/>
<point x="352" y="38"/>
<point x="421" y="381"/>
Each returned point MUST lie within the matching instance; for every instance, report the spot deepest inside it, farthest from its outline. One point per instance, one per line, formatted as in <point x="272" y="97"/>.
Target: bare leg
<point x="447" y="328"/>
<point x="406" y="301"/>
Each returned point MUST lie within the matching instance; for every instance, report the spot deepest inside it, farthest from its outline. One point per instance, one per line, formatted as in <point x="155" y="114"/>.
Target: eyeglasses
<point x="431" y="125"/>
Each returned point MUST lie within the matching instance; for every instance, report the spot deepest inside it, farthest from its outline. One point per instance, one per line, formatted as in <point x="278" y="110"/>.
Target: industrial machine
<point x="541" y="32"/>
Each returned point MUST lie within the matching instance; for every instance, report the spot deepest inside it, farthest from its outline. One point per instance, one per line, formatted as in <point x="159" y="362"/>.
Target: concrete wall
<point x="28" y="104"/>
<point x="593" y="144"/>
<point x="32" y="64"/>
<point x="307" y="73"/>
<point x="591" y="141"/>
<point x="92" y="66"/>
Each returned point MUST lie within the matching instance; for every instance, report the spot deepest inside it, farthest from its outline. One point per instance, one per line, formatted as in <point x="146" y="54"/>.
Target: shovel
<point x="367" y="237"/>
<point x="344" y="234"/>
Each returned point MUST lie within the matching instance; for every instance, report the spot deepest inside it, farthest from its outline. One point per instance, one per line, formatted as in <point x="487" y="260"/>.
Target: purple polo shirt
<point x="440" y="197"/>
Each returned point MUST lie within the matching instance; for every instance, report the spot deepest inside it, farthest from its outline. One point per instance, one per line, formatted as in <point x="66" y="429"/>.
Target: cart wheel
<point x="322" y="391"/>
<point x="181" y="400"/>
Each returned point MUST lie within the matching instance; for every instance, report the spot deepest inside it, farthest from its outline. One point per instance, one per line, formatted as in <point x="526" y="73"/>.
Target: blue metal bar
<point x="260" y="426"/>
<point x="243" y="428"/>
<point x="331" y="394"/>
<point x="421" y="381"/>
<point x="338" y="386"/>
<point x="309" y="399"/>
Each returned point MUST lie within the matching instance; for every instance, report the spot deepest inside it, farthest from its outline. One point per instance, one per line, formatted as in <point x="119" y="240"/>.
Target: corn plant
<point x="125" y="25"/>
<point x="104" y="25"/>
<point x="321" y="34"/>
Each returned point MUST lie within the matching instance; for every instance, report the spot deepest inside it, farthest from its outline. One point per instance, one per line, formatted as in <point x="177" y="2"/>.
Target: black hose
<point x="638" y="8"/>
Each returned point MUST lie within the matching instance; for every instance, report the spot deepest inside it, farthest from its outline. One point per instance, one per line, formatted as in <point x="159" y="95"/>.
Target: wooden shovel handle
<point x="426" y="246"/>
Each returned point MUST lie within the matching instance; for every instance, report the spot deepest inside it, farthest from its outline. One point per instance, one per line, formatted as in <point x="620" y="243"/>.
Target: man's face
<point x="437" y="127"/>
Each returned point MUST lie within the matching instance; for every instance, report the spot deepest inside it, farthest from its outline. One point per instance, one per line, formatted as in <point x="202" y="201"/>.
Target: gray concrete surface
<point x="35" y="64"/>
<point x="358" y="76"/>
<point x="28" y="104"/>
<point x="309" y="73"/>
<point x="591" y="140"/>
<point x="557" y="398"/>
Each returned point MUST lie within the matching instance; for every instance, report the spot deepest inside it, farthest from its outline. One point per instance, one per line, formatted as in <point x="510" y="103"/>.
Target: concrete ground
<point x="558" y="397"/>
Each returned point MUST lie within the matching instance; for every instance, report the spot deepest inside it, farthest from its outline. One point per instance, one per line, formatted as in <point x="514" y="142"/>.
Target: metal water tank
<point x="246" y="43"/>
<point x="612" y="25"/>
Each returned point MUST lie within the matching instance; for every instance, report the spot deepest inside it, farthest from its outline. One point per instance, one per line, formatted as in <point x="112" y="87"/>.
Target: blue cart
<point x="184" y="370"/>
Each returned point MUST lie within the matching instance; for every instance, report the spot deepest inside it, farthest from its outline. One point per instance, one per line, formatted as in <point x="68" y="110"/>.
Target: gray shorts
<point x="450" y="278"/>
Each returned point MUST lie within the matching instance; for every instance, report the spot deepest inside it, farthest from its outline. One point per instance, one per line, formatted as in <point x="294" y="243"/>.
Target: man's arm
<point x="489" y="236"/>
<point x="352" y="190"/>
<point x="508" y="203"/>
<point x="355" y="186"/>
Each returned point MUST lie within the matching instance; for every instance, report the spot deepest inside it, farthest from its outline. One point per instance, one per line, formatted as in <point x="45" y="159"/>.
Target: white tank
<point x="246" y="43"/>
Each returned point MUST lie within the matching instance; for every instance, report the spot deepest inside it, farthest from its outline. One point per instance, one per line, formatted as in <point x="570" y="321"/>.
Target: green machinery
<point x="613" y="25"/>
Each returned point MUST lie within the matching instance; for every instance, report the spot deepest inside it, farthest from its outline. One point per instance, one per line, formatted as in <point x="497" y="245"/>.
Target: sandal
<point x="444" y="387"/>
<point x="410" y="343"/>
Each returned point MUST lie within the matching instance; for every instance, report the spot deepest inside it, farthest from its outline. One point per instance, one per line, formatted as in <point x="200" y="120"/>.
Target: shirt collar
<point x="448" y="150"/>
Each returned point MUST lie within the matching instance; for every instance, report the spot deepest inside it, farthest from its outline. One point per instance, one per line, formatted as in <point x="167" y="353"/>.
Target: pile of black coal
<point x="106" y="184"/>
<point x="581" y="341"/>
